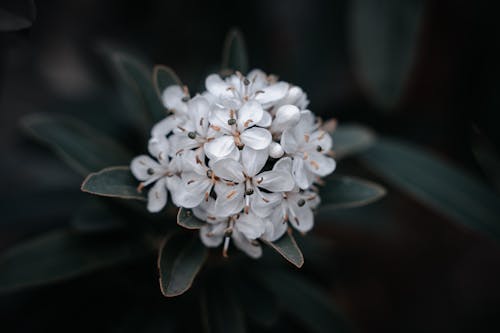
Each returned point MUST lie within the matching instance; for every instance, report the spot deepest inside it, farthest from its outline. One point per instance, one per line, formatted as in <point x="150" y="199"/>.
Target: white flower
<point x="243" y="229"/>
<point x="308" y="146"/>
<point x="235" y="90"/>
<point x="164" y="175"/>
<point x="175" y="99"/>
<point x="244" y="184"/>
<point x="238" y="130"/>
<point x="295" y="96"/>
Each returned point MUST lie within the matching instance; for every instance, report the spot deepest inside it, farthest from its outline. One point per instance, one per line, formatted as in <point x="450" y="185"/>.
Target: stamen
<point x="226" y="246"/>
<point x="231" y="194"/>
<point x="231" y="121"/>
<point x="306" y="155"/>
<point x="248" y="122"/>
<point x="260" y="180"/>
<point x="206" y="196"/>
<point x="181" y="128"/>
<point x="306" y="137"/>
<point x="322" y="135"/>
<point x="319" y="149"/>
<point x="217" y="128"/>
<point x="191" y="181"/>
<point x="301" y="202"/>
<point x="201" y="121"/>
<point x="192" y="135"/>
<point x="150" y="171"/>
<point x="314" y="164"/>
<point x="140" y="187"/>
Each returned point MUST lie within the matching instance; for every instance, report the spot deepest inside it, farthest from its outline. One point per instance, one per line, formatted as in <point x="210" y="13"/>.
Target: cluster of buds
<point x="244" y="156"/>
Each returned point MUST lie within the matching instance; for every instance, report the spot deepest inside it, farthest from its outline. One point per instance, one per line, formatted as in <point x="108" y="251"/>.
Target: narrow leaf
<point x="139" y="91"/>
<point x="186" y="219"/>
<point x="385" y="35"/>
<point x="82" y="147"/>
<point x="234" y="57"/>
<point x="61" y="255"/>
<point x="288" y="249"/>
<point x="303" y="301"/>
<point x="116" y="182"/>
<point x="351" y="139"/>
<point x="440" y="185"/>
<point x="348" y="192"/>
<point x="180" y="259"/>
<point x="164" y="77"/>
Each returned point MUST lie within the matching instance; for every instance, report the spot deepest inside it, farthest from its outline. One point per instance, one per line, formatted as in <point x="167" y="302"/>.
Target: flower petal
<point x="250" y="225"/>
<point x="287" y="116"/>
<point x="172" y="99"/>
<point x="220" y="147"/>
<point x="256" y="138"/>
<point x="159" y="147"/>
<point x="199" y="111"/>
<point x="320" y="164"/>
<point x="212" y="235"/>
<point x="275" y="181"/>
<point x="266" y="120"/>
<point x="252" y="249"/>
<point x="249" y="115"/>
<point x="253" y="160"/>
<point x="288" y="141"/>
<point x="301" y="218"/>
<point x="283" y="164"/>
<point x="299" y="173"/>
<point x="218" y="87"/>
<point x="157" y="196"/>
<point x="272" y="93"/>
<point x="229" y="169"/>
<point x="143" y="167"/>
<point x="230" y="200"/>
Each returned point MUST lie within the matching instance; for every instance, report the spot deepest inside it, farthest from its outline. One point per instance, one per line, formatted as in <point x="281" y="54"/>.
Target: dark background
<point x="417" y="272"/>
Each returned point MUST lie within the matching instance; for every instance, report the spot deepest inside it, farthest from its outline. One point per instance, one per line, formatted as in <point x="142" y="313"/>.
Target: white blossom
<point x="242" y="155"/>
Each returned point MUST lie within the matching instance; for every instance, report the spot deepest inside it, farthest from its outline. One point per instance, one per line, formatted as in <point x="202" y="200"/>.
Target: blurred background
<point x="414" y="271"/>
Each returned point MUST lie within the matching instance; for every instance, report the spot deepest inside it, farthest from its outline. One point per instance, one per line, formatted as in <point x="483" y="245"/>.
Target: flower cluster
<point x="243" y="156"/>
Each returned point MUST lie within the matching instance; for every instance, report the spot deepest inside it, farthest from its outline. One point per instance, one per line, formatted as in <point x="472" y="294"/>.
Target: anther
<point x="319" y="148"/>
<point x="231" y="121"/>
<point x="192" y="135"/>
<point x="150" y="171"/>
<point x="301" y="202"/>
<point x="210" y="173"/>
<point x="249" y="191"/>
<point x="246" y="82"/>
<point x="185" y="99"/>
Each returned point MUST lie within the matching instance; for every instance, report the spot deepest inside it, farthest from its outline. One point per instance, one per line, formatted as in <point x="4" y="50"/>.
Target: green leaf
<point x="302" y="301"/>
<point x="95" y="216"/>
<point x="60" y="255"/>
<point x="221" y="312"/>
<point x="115" y="182"/>
<point x="180" y="259"/>
<point x="186" y="219"/>
<point x="385" y="35"/>
<point x="348" y="192"/>
<point x="486" y="156"/>
<point x="164" y="77"/>
<point x="440" y="185"/>
<point x="82" y="147"/>
<point x="139" y="91"/>
<point x="351" y="139"/>
<point x="234" y="57"/>
<point x="288" y="249"/>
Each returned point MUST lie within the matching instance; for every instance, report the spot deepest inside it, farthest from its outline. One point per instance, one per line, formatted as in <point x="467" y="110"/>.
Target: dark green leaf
<point x="82" y="147"/>
<point x="61" y="255"/>
<point x="487" y="157"/>
<point x="349" y="192"/>
<point x="180" y="259"/>
<point x="164" y="77"/>
<point x="288" y="248"/>
<point x="221" y="312"/>
<point x="95" y="216"/>
<point x="385" y="35"/>
<point x="436" y="183"/>
<point x="351" y="139"/>
<point x="303" y="301"/>
<point x="116" y="182"/>
<point x="186" y="219"/>
<point x="139" y="91"/>
<point x="234" y="57"/>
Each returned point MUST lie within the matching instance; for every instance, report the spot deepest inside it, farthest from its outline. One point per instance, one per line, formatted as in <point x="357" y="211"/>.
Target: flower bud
<point x="275" y="150"/>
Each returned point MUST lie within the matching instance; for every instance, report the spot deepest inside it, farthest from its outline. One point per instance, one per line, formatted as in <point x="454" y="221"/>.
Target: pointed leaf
<point x="385" y="35"/>
<point x="164" y="77"/>
<point x="186" y="219"/>
<point x="351" y="139"/>
<point x="82" y="147"/>
<point x="139" y="91"/>
<point x="288" y="249"/>
<point x="440" y="185"/>
<point x="116" y="182"/>
<point x="180" y="259"/>
<point x="302" y="300"/>
<point x="349" y="192"/>
<point x="60" y="255"/>
<point x="234" y="57"/>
